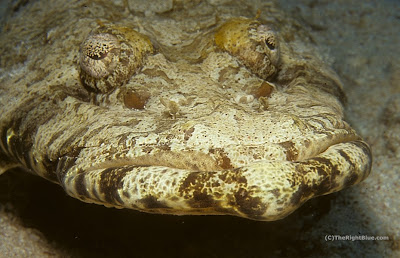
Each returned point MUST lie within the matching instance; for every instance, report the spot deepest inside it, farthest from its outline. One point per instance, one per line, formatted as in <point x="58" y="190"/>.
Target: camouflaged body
<point x="194" y="130"/>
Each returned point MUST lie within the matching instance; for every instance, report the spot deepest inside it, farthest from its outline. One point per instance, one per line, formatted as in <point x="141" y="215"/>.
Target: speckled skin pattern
<point x="190" y="109"/>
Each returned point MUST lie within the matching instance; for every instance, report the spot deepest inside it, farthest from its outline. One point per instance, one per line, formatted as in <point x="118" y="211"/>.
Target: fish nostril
<point x="135" y="100"/>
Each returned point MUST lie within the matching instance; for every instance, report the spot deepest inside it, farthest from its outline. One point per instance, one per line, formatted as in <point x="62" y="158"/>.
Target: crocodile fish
<point x="174" y="107"/>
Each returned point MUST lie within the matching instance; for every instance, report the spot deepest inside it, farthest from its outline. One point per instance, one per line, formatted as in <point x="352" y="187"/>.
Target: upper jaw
<point x="199" y="148"/>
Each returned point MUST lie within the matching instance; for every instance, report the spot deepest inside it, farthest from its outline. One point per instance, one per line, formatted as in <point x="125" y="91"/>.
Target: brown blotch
<point x="304" y="192"/>
<point x="188" y="133"/>
<point x="95" y="193"/>
<point x="135" y="100"/>
<point x="350" y="180"/>
<point x="202" y="200"/>
<point x="264" y="90"/>
<point x="164" y="147"/>
<point x="111" y="182"/>
<point x="80" y="185"/>
<point x="346" y="157"/>
<point x="221" y="158"/>
<point x="233" y="177"/>
<point x="222" y="177"/>
<point x="225" y="162"/>
<point x="126" y="194"/>
<point x="276" y="193"/>
<point x="327" y="170"/>
<point x="194" y="181"/>
<point x="195" y="191"/>
<point x="325" y="167"/>
<point x="290" y="150"/>
<point x="174" y="198"/>
<point x="216" y="184"/>
<point x="252" y="207"/>
<point x="151" y="202"/>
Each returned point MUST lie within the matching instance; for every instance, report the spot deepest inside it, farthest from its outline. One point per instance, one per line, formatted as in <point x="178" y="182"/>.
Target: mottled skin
<point x="217" y="115"/>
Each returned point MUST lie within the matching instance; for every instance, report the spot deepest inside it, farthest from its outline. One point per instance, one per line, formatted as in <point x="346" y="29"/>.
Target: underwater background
<point x="361" y="40"/>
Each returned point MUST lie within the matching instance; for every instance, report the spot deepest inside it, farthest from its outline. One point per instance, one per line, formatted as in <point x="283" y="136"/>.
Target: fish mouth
<point x="203" y="144"/>
<point x="194" y="167"/>
<point x="263" y="190"/>
<point x="205" y="160"/>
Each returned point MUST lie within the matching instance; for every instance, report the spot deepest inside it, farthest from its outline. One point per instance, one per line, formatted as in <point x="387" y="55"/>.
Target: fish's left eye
<point x="254" y="44"/>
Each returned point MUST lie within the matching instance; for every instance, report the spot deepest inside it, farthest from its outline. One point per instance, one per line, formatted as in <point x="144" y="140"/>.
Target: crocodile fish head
<point x="178" y="111"/>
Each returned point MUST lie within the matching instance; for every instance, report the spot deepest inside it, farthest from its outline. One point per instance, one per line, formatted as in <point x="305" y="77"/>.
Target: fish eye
<point x="109" y="56"/>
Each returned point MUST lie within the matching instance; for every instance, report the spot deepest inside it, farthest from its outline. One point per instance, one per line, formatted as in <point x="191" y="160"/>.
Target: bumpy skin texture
<point x="226" y="116"/>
